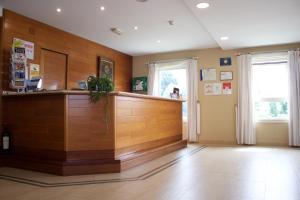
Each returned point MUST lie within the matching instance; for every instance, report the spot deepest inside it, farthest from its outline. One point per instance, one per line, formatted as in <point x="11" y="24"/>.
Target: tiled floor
<point x="233" y="173"/>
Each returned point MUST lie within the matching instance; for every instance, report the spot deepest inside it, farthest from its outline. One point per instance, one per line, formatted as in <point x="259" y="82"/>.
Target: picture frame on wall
<point x="140" y="84"/>
<point x="106" y="68"/>
<point x="225" y="62"/>
<point x="226" y="75"/>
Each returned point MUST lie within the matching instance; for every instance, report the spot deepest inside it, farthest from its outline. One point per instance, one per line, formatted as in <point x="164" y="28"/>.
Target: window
<point x="169" y="78"/>
<point x="270" y="88"/>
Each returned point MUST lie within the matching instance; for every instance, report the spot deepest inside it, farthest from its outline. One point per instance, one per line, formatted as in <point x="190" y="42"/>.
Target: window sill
<point x="272" y="121"/>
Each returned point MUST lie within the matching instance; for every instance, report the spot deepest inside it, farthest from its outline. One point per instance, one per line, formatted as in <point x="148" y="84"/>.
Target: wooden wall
<point x="1" y="64"/>
<point x="82" y="54"/>
<point x="37" y="124"/>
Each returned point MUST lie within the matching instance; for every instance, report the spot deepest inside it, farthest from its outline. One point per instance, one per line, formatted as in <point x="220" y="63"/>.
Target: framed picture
<point x="209" y="74"/>
<point x="225" y="76"/>
<point x="225" y="62"/>
<point x="139" y="84"/>
<point x="106" y="68"/>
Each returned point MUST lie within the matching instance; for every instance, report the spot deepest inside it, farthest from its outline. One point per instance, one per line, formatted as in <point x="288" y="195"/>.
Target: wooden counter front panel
<point x="146" y="121"/>
<point x="36" y="122"/>
<point x="86" y="128"/>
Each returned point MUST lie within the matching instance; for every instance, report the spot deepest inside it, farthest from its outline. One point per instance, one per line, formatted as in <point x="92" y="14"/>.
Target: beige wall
<point x="218" y="112"/>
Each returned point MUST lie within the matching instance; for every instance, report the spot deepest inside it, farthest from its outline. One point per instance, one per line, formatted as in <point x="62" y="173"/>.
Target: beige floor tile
<point x="215" y="173"/>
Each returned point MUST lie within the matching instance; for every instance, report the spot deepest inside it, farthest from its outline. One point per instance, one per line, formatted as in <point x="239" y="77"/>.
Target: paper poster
<point x="227" y="88"/>
<point x="29" y="47"/>
<point x="212" y="89"/>
<point x="209" y="74"/>
<point x="34" y="71"/>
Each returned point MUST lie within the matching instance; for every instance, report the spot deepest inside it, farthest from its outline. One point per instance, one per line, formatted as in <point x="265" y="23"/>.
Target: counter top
<point x="85" y="92"/>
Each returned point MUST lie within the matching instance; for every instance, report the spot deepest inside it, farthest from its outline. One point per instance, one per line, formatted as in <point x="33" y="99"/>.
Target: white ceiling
<point x="248" y="23"/>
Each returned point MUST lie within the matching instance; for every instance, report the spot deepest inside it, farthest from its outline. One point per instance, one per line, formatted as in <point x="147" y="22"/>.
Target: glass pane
<point x="270" y="90"/>
<point x="270" y="81"/>
<point x="271" y="110"/>
<point x="168" y="79"/>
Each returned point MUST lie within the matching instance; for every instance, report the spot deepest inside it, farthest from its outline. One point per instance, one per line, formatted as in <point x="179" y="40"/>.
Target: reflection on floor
<point x="233" y="173"/>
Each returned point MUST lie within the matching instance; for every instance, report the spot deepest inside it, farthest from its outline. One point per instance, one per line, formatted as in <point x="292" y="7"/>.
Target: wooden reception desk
<point x="62" y="132"/>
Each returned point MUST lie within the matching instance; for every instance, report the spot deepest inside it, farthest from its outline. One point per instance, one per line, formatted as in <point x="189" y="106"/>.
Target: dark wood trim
<point x="47" y="49"/>
<point x="41" y="154"/>
<point x="90" y="155"/>
<point x="130" y="151"/>
<point x="151" y="154"/>
<point x="34" y="164"/>
<point x="77" y="164"/>
<point x="55" y="155"/>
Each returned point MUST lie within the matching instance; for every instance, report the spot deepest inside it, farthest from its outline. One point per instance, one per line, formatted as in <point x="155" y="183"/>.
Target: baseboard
<point x="90" y="166"/>
<point x="218" y="142"/>
<point x="145" y="156"/>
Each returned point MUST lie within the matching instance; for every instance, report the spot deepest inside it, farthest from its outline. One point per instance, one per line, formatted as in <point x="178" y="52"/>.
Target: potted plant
<point x="100" y="87"/>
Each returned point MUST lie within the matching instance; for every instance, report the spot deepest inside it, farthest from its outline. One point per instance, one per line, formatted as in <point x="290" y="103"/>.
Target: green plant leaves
<point x="99" y="87"/>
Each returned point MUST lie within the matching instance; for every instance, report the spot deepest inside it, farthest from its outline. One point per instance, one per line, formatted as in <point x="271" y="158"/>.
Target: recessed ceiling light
<point x="202" y="5"/>
<point x="58" y="10"/>
<point x="224" y="38"/>
<point x="158" y="41"/>
<point x="102" y="8"/>
<point x="136" y="28"/>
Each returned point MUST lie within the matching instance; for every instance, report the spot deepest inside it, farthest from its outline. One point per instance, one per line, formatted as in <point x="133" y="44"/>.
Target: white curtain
<point x="294" y="98"/>
<point x="152" y="79"/>
<point x="245" y="132"/>
<point x="192" y="87"/>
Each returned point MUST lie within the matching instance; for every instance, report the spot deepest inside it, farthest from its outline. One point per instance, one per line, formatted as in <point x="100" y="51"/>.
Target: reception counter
<point x="62" y="132"/>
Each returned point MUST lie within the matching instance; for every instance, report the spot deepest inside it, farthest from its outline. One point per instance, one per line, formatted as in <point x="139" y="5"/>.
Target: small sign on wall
<point x="209" y="74"/>
<point x="224" y="76"/>
<point x="224" y="62"/>
<point x="34" y="71"/>
<point x="227" y="89"/>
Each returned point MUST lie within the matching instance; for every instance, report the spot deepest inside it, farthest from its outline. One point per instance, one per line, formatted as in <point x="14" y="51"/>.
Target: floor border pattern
<point x="143" y="176"/>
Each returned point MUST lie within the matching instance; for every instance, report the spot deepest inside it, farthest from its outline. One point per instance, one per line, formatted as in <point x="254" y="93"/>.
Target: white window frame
<point x="165" y="68"/>
<point x="275" y="120"/>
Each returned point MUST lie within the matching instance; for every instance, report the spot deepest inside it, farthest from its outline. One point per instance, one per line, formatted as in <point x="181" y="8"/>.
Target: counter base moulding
<point x="82" y="167"/>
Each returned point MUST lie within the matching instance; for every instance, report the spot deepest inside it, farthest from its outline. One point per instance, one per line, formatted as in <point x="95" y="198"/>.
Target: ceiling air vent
<point x="116" y="31"/>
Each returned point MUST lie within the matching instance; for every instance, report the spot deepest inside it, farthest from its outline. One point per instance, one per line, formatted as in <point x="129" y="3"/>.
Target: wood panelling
<point x="1" y="65"/>
<point x="140" y="120"/>
<point x="64" y="133"/>
<point x="82" y="54"/>
<point x="54" y="66"/>
<point x="36" y="122"/>
<point x="87" y="128"/>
